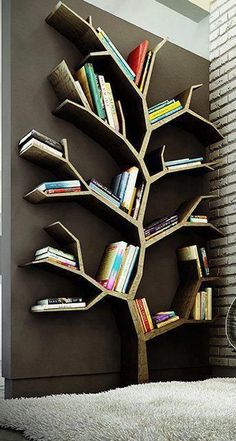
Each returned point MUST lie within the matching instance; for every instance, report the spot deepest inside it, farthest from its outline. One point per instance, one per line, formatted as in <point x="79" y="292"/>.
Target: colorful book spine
<point x="107" y="263"/>
<point x="82" y="78"/>
<point x="60" y="300"/>
<point x="171" y="112"/>
<point x="143" y="316"/>
<point x="95" y="92"/>
<point x="125" y="268"/>
<point x="148" y="315"/>
<point x="164" y="110"/>
<point x="204" y="261"/>
<point x="63" y="190"/>
<point x="59" y="253"/>
<point x="160" y="105"/>
<point x="103" y="187"/>
<point x="116" y="265"/>
<point x="60" y="262"/>
<point x="167" y="322"/>
<point x="107" y="102"/>
<point x="138" y="200"/>
<point x="131" y="267"/>
<point x="38" y="308"/>
<point x="58" y="184"/>
<point x="133" y="174"/>
<point x="183" y="161"/>
<point x="104" y="194"/>
<point x="56" y="257"/>
<point x="112" y="106"/>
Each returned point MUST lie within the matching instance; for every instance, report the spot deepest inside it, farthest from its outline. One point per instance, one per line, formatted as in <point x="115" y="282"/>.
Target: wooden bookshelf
<point x="125" y="148"/>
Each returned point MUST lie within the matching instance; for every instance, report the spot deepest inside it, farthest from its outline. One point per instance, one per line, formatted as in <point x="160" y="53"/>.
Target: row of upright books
<point x="162" y="110"/>
<point x="158" y="320"/>
<point x="202" y="309"/>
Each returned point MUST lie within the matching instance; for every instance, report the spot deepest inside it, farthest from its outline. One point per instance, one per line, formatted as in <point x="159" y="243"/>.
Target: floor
<point x="8" y="435"/>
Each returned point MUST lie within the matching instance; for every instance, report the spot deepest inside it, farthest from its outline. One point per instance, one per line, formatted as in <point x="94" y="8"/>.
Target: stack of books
<point x="163" y="109"/>
<point x="202" y="309"/>
<point x="193" y="252"/>
<point x="61" y="303"/>
<point x="36" y="139"/>
<point x="139" y="60"/>
<point x="198" y="219"/>
<point x="124" y="65"/>
<point x="125" y="188"/>
<point x="144" y="314"/>
<point x="58" y="187"/>
<point x="103" y="191"/>
<point x="117" y="265"/>
<point x="161" y="319"/>
<point x="183" y="163"/>
<point x="55" y="255"/>
<point x="99" y="95"/>
<point x="160" y="225"/>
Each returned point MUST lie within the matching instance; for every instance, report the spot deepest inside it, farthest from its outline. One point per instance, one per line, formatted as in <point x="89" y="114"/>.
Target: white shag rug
<point x="172" y="411"/>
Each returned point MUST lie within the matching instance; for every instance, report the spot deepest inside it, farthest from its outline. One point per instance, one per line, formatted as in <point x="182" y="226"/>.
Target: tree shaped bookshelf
<point x="127" y="147"/>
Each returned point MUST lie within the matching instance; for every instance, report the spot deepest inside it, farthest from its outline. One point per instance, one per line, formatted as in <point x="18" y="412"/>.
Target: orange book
<point x="143" y="315"/>
<point x="136" y="59"/>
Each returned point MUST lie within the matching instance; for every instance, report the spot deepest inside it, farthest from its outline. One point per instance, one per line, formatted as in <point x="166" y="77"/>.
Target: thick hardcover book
<point x="95" y="92"/>
<point x="44" y="139"/>
<point x="116" y="265"/>
<point x="64" y="190"/>
<point x="81" y="76"/>
<point x="35" y="143"/>
<point x="136" y="59"/>
<point x="107" y="263"/>
<point x="133" y="174"/>
<point x="59" y="253"/>
<point x="131" y="267"/>
<point x="104" y="194"/>
<point x="126" y="262"/>
<point x="112" y="106"/>
<point x="164" y="110"/>
<point x="204" y="261"/>
<point x="107" y="102"/>
<point x="56" y="257"/>
<point x="111" y="47"/>
<point x="171" y="112"/>
<point x="58" y="184"/>
<point x="38" y="308"/>
<point x="143" y="315"/>
<point x="60" y="300"/>
<point x="146" y="67"/>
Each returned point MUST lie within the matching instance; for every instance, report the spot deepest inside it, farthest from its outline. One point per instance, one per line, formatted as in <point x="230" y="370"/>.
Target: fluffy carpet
<point x="173" y="411"/>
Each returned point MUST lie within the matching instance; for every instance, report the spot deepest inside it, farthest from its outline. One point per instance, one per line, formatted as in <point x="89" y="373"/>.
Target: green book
<point x="93" y="86"/>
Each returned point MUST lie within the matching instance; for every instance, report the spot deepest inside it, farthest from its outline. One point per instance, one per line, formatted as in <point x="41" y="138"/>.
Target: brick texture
<point x="222" y="252"/>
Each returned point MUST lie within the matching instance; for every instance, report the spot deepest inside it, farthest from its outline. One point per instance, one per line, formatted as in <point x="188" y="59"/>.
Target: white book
<point x="191" y="164"/>
<point x="198" y="221"/>
<point x="34" y="142"/>
<point x="106" y="100"/>
<point x="133" y="174"/>
<point x="55" y="251"/>
<point x="82" y="95"/>
<point x="39" y="308"/>
<point x="125" y="268"/>
<point x="56" y="257"/>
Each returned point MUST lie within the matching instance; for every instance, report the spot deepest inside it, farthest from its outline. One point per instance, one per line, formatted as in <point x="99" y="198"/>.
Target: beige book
<point x="196" y="312"/>
<point x="149" y="318"/>
<point x="81" y="76"/>
<point x="209" y="303"/>
<point x="190" y="253"/>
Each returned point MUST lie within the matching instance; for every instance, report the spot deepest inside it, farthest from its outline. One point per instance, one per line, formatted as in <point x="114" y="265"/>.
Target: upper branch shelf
<point x="189" y="120"/>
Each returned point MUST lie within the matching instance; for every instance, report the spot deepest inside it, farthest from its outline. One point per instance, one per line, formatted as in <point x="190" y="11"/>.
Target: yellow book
<point x="148" y="315"/>
<point x="164" y="110"/>
<point x="132" y="200"/>
<point x="196" y="312"/>
<point x="81" y="76"/>
<point x="209" y="303"/>
<point x="167" y="322"/>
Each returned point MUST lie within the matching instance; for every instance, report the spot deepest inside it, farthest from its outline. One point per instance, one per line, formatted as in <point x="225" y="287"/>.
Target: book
<point x="112" y="106"/>
<point x="56" y="257"/>
<point x="35" y="143"/>
<point x="162" y="316"/>
<point x="182" y="161"/>
<point x="147" y="327"/>
<point x="161" y="230"/>
<point x="132" y="201"/>
<point x="104" y="194"/>
<point x="82" y="95"/>
<point x="171" y="112"/>
<point x="116" y="265"/>
<point x="148" y="315"/>
<point x="64" y="190"/>
<point x="124" y="269"/>
<point x="164" y="110"/>
<point x="160" y="105"/>
<point x="94" y="90"/>
<point x="107" y="101"/>
<point x="130" y="270"/>
<point x="115" y="183"/>
<point x="160" y="224"/>
<point x="190" y="253"/>
<point x="81" y="76"/>
<point x="61" y="306"/>
<point x="59" y="261"/>
<point x="209" y="303"/>
<point x="168" y="321"/>
<point x="182" y="166"/>
<point x="126" y="201"/>
<point x="138" y="200"/>
<point x="136" y="59"/>
<point x="146" y="67"/>
<point x="204" y="261"/>
<point x="198" y="220"/>
<point x="59" y="184"/>
<point x="117" y="55"/>
<point x="196" y="312"/>
<point x="59" y="253"/>
<point x="60" y="300"/>
<point x="122" y="185"/>
<point x="121" y="117"/>
<point x="42" y="138"/>
<point x="106" y="264"/>
<point x="103" y="187"/>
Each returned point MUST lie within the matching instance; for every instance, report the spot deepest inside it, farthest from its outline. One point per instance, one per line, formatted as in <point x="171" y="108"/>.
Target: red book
<point x="143" y="315"/>
<point x="63" y="190"/>
<point x="136" y="59"/>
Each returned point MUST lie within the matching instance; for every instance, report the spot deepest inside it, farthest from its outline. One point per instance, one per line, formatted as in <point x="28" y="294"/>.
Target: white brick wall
<point x="223" y="181"/>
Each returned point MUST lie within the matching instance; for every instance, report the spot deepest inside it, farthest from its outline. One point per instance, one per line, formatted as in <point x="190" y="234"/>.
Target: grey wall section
<point x="45" y="349"/>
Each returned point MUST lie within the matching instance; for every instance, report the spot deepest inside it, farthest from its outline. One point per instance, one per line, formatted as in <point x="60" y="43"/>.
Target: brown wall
<point x="82" y="345"/>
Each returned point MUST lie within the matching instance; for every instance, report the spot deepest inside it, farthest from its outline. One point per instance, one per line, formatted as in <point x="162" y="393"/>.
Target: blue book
<point x="116" y="265"/>
<point x="59" y="184"/>
<point x="183" y="161"/>
<point x="130" y="270"/>
<point x="102" y="193"/>
<point x="123" y="185"/>
<point x="115" y="183"/>
<point x="160" y="106"/>
<point x="159" y="118"/>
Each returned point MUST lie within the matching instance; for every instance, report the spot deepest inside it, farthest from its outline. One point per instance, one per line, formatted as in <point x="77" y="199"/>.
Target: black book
<point x="42" y="138"/>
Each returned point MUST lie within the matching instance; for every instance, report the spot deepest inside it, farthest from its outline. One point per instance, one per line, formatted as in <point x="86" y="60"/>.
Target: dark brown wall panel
<point x="60" y="345"/>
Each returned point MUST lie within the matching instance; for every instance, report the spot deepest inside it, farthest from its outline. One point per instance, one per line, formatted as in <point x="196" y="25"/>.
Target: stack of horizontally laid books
<point x="144" y="314"/>
<point x="160" y="225"/>
<point x="202" y="309"/>
<point x="193" y="252"/>
<point x="183" y="163"/>
<point x="129" y="193"/>
<point x="62" y="303"/>
<point x="198" y="219"/>
<point x="56" y="256"/>
<point x="164" y="318"/>
<point x="103" y="191"/>
<point x="59" y="187"/>
<point x="117" y="265"/>
<point x="34" y="138"/>
<point x="163" y="109"/>
<point x="99" y="95"/>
